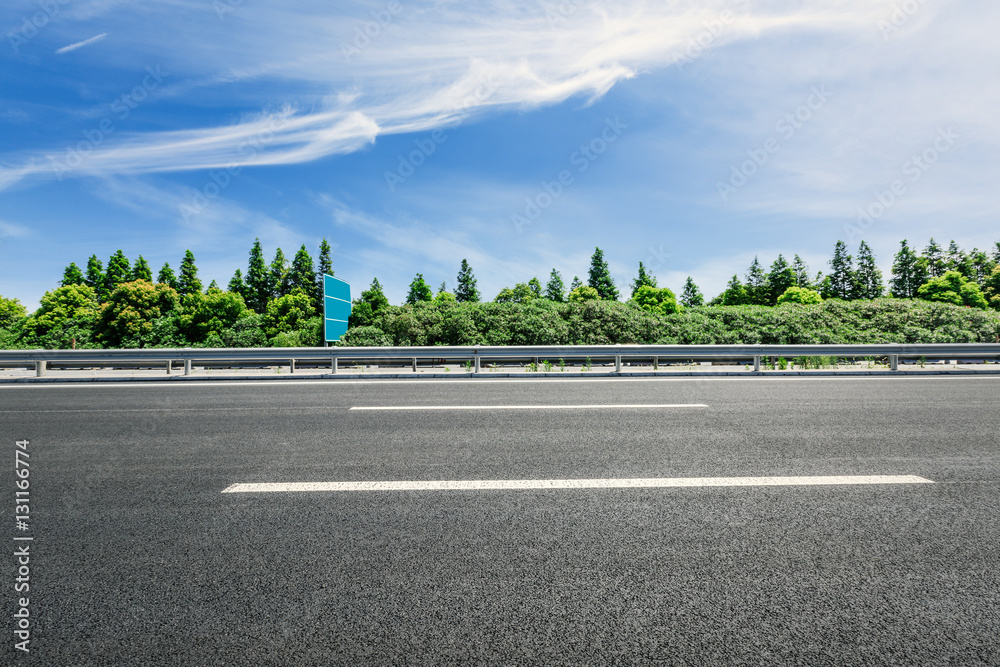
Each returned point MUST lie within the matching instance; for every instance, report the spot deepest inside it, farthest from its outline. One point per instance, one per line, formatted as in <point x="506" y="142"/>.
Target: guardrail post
<point x="40" y="368"/>
<point x="414" y="364"/>
<point x="477" y="363"/>
<point x="170" y="365"/>
<point x="756" y="363"/>
<point x="894" y="362"/>
<point x="333" y="365"/>
<point x="656" y="363"/>
<point x="291" y="365"/>
<point x="187" y="367"/>
<point x="618" y="364"/>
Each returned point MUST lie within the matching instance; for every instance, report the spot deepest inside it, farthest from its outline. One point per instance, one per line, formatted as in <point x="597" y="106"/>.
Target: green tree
<point x="287" y="313"/>
<point x="419" y="290"/>
<point x="119" y="271"/>
<point x="796" y="294"/>
<point x="258" y="289"/>
<point x="954" y="257"/>
<point x="780" y="278"/>
<point x="582" y="293"/>
<point x="691" y="296"/>
<point x="237" y="286"/>
<point x="302" y="276"/>
<point x="867" y="278"/>
<point x="555" y="289"/>
<point x="366" y="308"/>
<point x="95" y="275"/>
<point x="279" y="283"/>
<point x="978" y="266"/>
<point x="801" y="272"/>
<point x="600" y="277"/>
<point x="520" y="293"/>
<point x="167" y="277"/>
<point x="11" y="310"/>
<point x="536" y="287"/>
<point x="643" y="279"/>
<point x="991" y="289"/>
<point x="656" y="300"/>
<point x="575" y="283"/>
<point x="127" y="319"/>
<point x="141" y="270"/>
<point x="467" y="290"/>
<point x="996" y="253"/>
<point x="72" y="276"/>
<point x="323" y="267"/>
<point x="936" y="264"/>
<point x="188" y="282"/>
<point x="954" y="288"/>
<point x="735" y="294"/>
<point x="202" y="315"/>
<point x="65" y="316"/>
<point x="908" y="273"/>
<point x="841" y="283"/>
<point x="756" y="284"/>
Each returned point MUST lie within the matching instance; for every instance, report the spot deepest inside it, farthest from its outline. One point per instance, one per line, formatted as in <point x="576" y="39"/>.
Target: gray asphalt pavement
<point x="139" y="558"/>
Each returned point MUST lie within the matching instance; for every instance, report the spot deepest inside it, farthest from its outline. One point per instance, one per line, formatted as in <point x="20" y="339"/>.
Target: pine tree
<point x="119" y="271"/>
<point x="443" y="287"/>
<point x="167" y="277"/>
<point x="692" y="296"/>
<point x="95" y="275"/>
<point x="278" y="283"/>
<point x="257" y="280"/>
<point x="141" y="270"/>
<point x="419" y="290"/>
<point x="376" y="297"/>
<point x="781" y="277"/>
<point x="996" y="253"/>
<point x="576" y="283"/>
<point x="936" y="266"/>
<point x="735" y="294"/>
<point x="756" y="284"/>
<point x="555" y="289"/>
<point x="212" y="286"/>
<point x="72" y="276"/>
<point x="867" y="278"/>
<point x="188" y="283"/>
<point x="907" y="273"/>
<point x="323" y="268"/>
<point x="954" y="257"/>
<point x="303" y="276"/>
<point x="600" y="277"/>
<point x="466" y="290"/>
<point x="981" y="264"/>
<point x="644" y="279"/>
<point x="801" y="272"/>
<point x="236" y="284"/>
<point x="841" y="283"/>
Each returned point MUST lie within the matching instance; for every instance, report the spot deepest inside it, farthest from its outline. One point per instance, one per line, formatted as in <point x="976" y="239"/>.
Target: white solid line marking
<point x="517" y="484"/>
<point x="529" y="407"/>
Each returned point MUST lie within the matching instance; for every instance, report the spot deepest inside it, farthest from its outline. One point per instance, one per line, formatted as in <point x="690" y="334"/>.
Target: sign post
<point x="336" y="307"/>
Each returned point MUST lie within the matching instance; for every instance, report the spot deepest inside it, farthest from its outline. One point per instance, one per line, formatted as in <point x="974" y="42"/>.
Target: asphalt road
<point x="139" y="558"/>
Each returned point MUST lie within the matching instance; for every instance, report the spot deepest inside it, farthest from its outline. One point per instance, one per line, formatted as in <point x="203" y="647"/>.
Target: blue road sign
<point x="336" y="307"/>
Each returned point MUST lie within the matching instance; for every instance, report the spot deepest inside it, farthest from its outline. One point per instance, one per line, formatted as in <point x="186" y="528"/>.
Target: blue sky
<point x="520" y="135"/>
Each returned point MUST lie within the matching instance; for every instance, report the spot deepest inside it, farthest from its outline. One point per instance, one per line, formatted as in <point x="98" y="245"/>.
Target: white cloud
<point x="86" y="42"/>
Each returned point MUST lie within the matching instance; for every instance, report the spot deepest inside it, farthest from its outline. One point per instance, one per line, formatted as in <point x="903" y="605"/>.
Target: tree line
<point x="280" y="303"/>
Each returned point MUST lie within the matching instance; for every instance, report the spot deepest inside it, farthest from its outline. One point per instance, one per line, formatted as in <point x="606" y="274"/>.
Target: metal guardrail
<point x="477" y="354"/>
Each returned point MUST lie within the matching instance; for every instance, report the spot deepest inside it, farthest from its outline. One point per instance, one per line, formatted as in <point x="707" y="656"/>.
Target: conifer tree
<point x="643" y="279"/>
<point x="735" y="294"/>
<point x="692" y="296"/>
<point x="780" y="278"/>
<point x="166" y="276"/>
<point x="840" y="284"/>
<point x="466" y="290"/>
<point x="324" y="267"/>
<point x="188" y="283"/>
<point x="141" y="270"/>
<point x="936" y="265"/>
<point x="302" y="275"/>
<point x="907" y="273"/>
<point x="600" y="277"/>
<point x="257" y="280"/>
<point x="72" y="276"/>
<point x="119" y="271"/>
<point x="419" y="290"/>
<point x="95" y="275"/>
<point x="535" y="286"/>
<point x="237" y="286"/>
<point x="954" y="257"/>
<point x="867" y="278"/>
<point x="576" y="283"/>
<point x="756" y="284"/>
<point x="555" y="289"/>
<point x="801" y="272"/>
<point x="279" y="283"/>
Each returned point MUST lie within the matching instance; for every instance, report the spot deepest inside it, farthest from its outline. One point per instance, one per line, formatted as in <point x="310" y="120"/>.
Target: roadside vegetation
<point x="936" y="296"/>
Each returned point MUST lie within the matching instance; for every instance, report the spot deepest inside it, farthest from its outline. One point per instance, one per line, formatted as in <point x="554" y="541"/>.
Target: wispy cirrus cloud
<point x="79" y="45"/>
